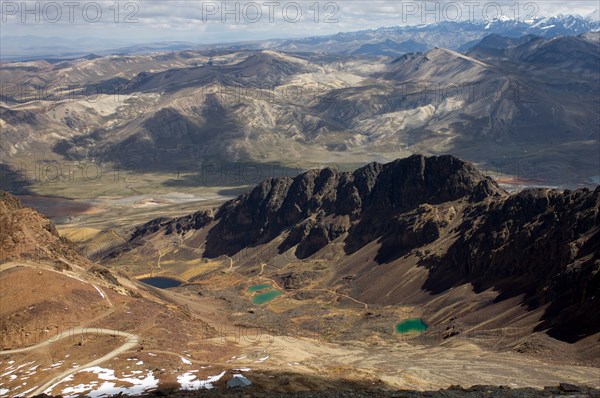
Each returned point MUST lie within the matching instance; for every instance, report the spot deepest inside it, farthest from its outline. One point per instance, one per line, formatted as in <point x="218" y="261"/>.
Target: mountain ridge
<point x="462" y="32"/>
<point x="456" y="34"/>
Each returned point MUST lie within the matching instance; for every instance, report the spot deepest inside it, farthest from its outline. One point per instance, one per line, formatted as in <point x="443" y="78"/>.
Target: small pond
<point x="411" y="325"/>
<point x="266" y="296"/>
<point x="260" y="286"/>
<point x="160" y="282"/>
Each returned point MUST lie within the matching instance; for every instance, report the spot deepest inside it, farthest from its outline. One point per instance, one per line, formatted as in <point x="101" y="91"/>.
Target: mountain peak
<point x="276" y="205"/>
<point x="270" y="63"/>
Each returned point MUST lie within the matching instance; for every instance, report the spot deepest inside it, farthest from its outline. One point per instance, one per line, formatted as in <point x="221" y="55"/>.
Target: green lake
<point x="266" y="296"/>
<point x="411" y="325"/>
<point x="256" y="288"/>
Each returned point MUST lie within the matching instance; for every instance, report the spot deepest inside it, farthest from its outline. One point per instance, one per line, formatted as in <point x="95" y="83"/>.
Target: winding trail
<point x="133" y="340"/>
<point x="230" y="262"/>
<point x="118" y="236"/>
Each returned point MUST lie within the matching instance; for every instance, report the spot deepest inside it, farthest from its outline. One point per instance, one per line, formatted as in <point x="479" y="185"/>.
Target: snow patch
<point x="109" y="387"/>
<point x="188" y="382"/>
<point x="185" y="361"/>
<point x="15" y="369"/>
<point x="24" y="393"/>
<point x="99" y="291"/>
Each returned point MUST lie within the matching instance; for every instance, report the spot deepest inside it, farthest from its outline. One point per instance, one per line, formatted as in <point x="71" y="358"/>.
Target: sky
<point x="143" y="21"/>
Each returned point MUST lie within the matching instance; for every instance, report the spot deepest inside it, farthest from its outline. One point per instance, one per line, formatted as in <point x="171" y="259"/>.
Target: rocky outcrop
<point x="8" y="203"/>
<point x="412" y="230"/>
<point x="295" y="280"/>
<point x="178" y="225"/>
<point x="104" y="273"/>
<point x="311" y="236"/>
<point x="321" y="205"/>
<point x="28" y="236"/>
<point x="25" y="234"/>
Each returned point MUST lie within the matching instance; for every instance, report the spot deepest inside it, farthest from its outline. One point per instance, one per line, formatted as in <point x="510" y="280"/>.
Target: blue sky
<point x="218" y="21"/>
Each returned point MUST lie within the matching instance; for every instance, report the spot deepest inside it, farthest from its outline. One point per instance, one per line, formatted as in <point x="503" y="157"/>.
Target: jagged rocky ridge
<point x="540" y="243"/>
<point x="320" y="205"/>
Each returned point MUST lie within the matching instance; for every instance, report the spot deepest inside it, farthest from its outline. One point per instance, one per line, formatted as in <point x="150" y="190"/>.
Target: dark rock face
<point x="311" y="236"/>
<point x="541" y="243"/>
<point x="180" y="225"/>
<point x="320" y="205"/>
<point x="343" y="388"/>
<point x="407" y="183"/>
<point x="411" y="230"/>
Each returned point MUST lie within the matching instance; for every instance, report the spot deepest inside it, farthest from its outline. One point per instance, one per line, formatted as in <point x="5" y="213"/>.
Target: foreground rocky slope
<point x="61" y="313"/>
<point x="28" y="235"/>
<point x="366" y="392"/>
<point x="459" y="228"/>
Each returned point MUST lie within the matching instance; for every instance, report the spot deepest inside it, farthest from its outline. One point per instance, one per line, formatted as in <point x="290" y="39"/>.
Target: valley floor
<point x="276" y="363"/>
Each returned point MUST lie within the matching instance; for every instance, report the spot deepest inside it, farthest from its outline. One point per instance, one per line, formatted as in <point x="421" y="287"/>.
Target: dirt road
<point x="132" y="341"/>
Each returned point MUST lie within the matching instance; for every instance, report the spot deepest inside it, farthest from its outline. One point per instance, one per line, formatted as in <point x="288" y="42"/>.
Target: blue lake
<point x="160" y="282"/>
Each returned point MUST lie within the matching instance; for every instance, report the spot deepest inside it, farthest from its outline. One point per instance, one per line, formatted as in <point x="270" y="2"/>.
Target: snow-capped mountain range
<point x="397" y="40"/>
<point x="388" y="41"/>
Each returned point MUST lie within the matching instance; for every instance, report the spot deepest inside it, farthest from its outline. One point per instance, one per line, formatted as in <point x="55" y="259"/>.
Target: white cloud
<point x="209" y="21"/>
